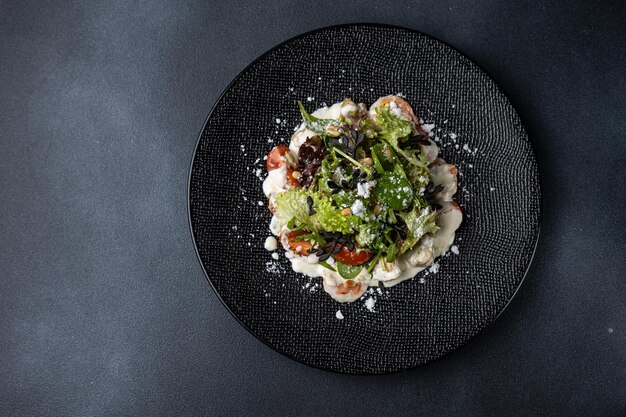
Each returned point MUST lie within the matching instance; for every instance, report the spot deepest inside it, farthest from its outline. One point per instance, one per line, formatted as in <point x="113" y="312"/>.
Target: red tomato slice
<point x="298" y="246"/>
<point x="352" y="257"/>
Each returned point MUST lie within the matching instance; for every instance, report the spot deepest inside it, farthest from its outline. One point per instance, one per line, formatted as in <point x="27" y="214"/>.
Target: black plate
<point x="415" y="322"/>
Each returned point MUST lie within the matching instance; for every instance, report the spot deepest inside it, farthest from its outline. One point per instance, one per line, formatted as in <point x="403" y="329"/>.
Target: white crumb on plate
<point x="370" y="303"/>
<point x="272" y="268"/>
<point x="434" y="268"/>
<point x="310" y="98"/>
<point x="271" y="243"/>
<point x="277" y="120"/>
<point x="260" y="203"/>
<point x="339" y="315"/>
<point x="428" y="127"/>
<point x="275" y="256"/>
<point x="491" y="189"/>
<point x="454" y="249"/>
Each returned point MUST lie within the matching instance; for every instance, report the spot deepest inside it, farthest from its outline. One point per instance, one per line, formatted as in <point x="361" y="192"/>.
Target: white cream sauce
<point x="390" y="274"/>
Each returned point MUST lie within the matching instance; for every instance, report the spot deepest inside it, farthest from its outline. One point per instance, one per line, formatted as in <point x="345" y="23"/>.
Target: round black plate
<point x="415" y="322"/>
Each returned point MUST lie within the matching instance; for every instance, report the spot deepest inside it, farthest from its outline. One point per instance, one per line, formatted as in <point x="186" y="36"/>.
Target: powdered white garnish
<point x="434" y="268"/>
<point x="428" y="127"/>
<point x="363" y="188"/>
<point x="455" y="249"/>
<point x="357" y="207"/>
<point x="339" y="315"/>
<point x="271" y="267"/>
<point x="370" y="303"/>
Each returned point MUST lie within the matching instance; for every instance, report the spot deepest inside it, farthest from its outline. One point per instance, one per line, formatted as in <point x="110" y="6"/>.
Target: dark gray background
<point x="104" y="309"/>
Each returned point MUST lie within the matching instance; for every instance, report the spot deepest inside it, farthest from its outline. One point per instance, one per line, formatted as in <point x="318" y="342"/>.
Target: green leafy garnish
<point x="419" y="222"/>
<point x="392" y="127"/>
<point x="394" y="191"/>
<point x="395" y="130"/>
<point x="348" y="271"/>
<point x="292" y="205"/>
<point x="316" y="125"/>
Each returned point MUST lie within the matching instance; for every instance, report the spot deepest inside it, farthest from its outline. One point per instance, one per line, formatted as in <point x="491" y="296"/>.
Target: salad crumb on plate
<point x="360" y="197"/>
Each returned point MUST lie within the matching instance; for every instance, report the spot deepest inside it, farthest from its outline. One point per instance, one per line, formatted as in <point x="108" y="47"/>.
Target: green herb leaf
<point x="292" y="204"/>
<point x="326" y="265"/>
<point x="394" y="191"/>
<point x="394" y="129"/>
<point x="317" y="125"/>
<point x="348" y="271"/>
<point x="419" y="222"/>
<point x="381" y="162"/>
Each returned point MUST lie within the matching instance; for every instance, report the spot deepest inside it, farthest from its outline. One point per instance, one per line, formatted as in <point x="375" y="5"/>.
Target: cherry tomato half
<point x="298" y="246"/>
<point x="352" y="257"/>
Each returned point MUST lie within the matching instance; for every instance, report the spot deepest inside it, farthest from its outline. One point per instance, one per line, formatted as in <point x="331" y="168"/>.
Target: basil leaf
<point x="381" y="163"/>
<point x="394" y="190"/>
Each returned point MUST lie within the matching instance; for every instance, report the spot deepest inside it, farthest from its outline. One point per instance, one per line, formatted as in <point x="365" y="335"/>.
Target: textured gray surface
<point x="413" y="322"/>
<point x="104" y="309"/>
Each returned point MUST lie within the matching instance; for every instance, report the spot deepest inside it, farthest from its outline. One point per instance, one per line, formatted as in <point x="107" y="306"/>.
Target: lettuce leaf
<point x="395" y="130"/>
<point x="419" y="222"/>
<point x="366" y="126"/>
<point x="292" y="206"/>
<point x="391" y="126"/>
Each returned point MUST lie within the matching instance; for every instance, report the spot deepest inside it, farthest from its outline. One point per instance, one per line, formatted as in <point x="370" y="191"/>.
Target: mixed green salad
<point x="360" y="190"/>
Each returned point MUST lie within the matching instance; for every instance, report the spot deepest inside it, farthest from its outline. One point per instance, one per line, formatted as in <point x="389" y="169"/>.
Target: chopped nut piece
<point x="333" y="130"/>
<point x="346" y="212"/>
<point x="289" y="158"/>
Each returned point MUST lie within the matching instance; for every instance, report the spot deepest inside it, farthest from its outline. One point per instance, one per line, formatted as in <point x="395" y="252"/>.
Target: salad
<point x="360" y="196"/>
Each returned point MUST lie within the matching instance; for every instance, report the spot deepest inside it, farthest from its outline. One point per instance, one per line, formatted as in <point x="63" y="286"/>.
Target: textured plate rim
<point x="219" y="100"/>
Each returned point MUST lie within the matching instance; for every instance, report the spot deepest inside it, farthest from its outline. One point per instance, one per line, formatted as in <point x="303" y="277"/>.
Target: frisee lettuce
<point x="291" y="206"/>
<point x="419" y="222"/>
<point x="393" y="130"/>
